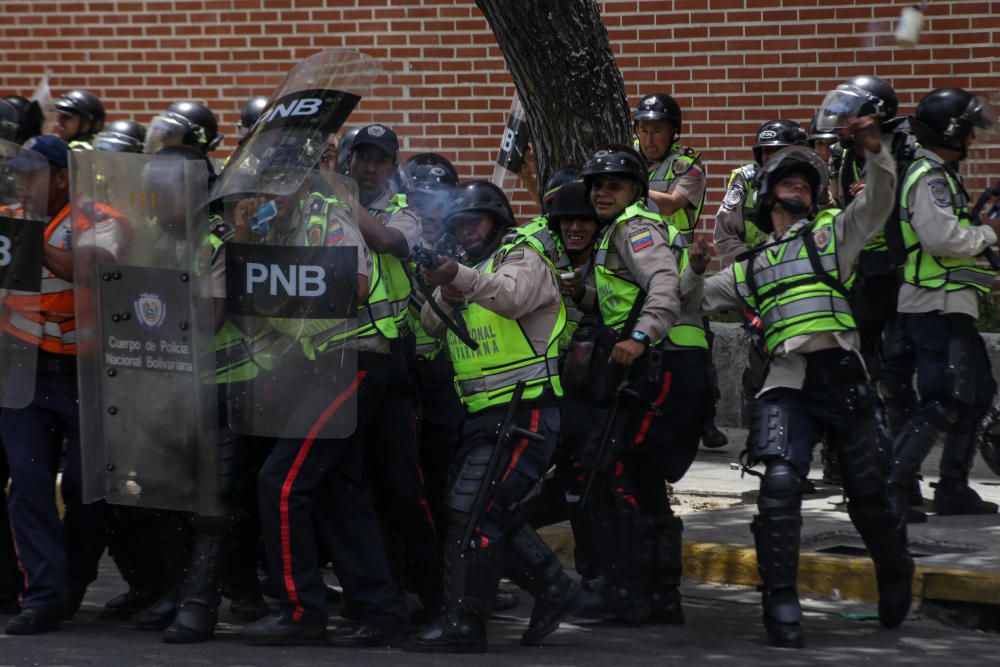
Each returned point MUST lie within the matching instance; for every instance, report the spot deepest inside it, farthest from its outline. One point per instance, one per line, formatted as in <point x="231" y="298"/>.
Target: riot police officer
<point x="939" y="300"/>
<point x="816" y="381"/>
<point x="659" y="376"/>
<point x="510" y="305"/>
<point x="735" y="231"/>
<point x="184" y="123"/>
<point x="81" y="116"/>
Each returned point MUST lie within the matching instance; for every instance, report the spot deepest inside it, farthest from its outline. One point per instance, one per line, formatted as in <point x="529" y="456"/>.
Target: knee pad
<point x="781" y="487"/>
<point x="768" y="436"/>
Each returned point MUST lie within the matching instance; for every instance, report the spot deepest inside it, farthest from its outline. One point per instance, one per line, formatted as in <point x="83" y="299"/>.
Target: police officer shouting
<point x="939" y="300"/>
<point x="816" y="382"/>
<point x="512" y="308"/>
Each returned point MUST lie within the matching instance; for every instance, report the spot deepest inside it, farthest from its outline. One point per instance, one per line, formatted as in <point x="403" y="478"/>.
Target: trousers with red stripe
<point x="637" y="535"/>
<point x="312" y="491"/>
<point x="471" y="577"/>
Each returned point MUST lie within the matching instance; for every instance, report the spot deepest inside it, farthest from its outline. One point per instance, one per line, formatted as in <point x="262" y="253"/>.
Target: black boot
<point x="201" y="592"/>
<point x="667" y="572"/>
<point x="625" y="541"/>
<point x="776" y="535"/>
<point x="953" y="494"/>
<point x="470" y="583"/>
<point x="909" y="451"/>
<point x="886" y="543"/>
<point x="537" y="570"/>
<point x="173" y="539"/>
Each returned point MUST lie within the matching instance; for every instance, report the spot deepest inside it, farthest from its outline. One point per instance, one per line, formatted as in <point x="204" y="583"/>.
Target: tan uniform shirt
<point x="854" y="227"/>
<point x="730" y="229"/>
<point x="522" y="288"/>
<point x="933" y="219"/>
<point x="405" y="221"/>
<point x="652" y="267"/>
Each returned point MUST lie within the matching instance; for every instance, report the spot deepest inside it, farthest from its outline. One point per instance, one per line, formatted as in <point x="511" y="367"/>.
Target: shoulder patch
<point x="512" y="255"/>
<point x="334" y="233"/>
<point x="314" y="235"/>
<point x="940" y="192"/>
<point x="640" y="239"/>
<point x="679" y="167"/>
<point x="734" y="197"/>
<point x="822" y="239"/>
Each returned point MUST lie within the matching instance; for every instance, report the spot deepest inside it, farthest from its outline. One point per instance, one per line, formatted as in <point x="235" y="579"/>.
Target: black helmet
<point x="480" y="197"/>
<point x="571" y="201"/>
<point x="251" y="112"/>
<point x="8" y="121"/>
<point x="946" y="116"/>
<point x="29" y="117"/>
<point x="84" y="104"/>
<point x="659" y="106"/>
<point x="561" y="177"/>
<point x="430" y="172"/>
<point x="778" y="133"/>
<point x="790" y="160"/>
<point x="617" y="159"/>
<point x="886" y="102"/>
<point x="186" y="123"/>
<point x="121" y="136"/>
<point x="344" y="156"/>
<point x="816" y="134"/>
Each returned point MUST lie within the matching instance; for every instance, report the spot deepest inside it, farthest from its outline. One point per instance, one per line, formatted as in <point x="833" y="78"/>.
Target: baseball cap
<point x="379" y="136"/>
<point x="40" y="152"/>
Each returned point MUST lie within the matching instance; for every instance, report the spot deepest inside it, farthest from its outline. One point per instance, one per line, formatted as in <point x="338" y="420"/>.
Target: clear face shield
<point x="981" y="167"/>
<point x="166" y="130"/>
<point x="842" y="105"/>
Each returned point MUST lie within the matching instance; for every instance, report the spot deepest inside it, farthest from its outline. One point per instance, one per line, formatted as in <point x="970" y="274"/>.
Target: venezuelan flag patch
<point x="335" y="234"/>
<point x="640" y="239"/>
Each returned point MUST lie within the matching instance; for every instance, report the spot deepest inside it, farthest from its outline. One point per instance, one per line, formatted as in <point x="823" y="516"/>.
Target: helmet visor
<point x="840" y="107"/>
<point x="981" y="114"/>
<point x="165" y="131"/>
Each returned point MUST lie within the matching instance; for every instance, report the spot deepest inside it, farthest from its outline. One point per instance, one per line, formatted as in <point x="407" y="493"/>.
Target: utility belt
<point x="547" y="399"/>
<point x="64" y="364"/>
<point x="828" y="368"/>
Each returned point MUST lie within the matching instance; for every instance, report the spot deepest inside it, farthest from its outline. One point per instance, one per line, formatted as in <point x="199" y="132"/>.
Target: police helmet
<point x="561" y="177"/>
<point x="84" y="104"/>
<point x="571" y="201"/>
<point x="28" y="117"/>
<point x="121" y="136"/>
<point x="184" y="123"/>
<point x="816" y="134"/>
<point x="659" y="106"/>
<point x="430" y="172"/>
<point x="778" y="133"/>
<point x="8" y="121"/>
<point x="251" y="112"/>
<point x="617" y="160"/>
<point x="885" y="100"/>
<point x="946" y="117"/>
<point x="479" y="197"/>
<point x="789" y="160"/>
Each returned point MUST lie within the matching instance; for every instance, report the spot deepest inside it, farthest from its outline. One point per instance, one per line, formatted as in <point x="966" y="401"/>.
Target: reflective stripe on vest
<point x="48" y="321"/>
<point x="486" y="377"/>
<point x="793" y="295"/>
<point x="683" y="219"/>
<point x="925" y="270"/>
<point x="617" y="294"/>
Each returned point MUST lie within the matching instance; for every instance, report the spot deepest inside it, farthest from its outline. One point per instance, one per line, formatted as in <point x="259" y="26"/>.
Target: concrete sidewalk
<point x="957" y="557"/>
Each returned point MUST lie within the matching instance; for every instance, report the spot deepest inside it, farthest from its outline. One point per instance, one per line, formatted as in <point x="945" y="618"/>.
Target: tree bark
<point x="565" y="74"/>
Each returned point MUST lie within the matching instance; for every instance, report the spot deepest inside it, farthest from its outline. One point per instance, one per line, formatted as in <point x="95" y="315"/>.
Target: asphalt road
<point x="723" y="628"/>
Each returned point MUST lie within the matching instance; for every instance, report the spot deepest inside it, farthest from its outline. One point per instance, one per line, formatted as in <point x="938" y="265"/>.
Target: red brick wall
<point x="731" y="63"/>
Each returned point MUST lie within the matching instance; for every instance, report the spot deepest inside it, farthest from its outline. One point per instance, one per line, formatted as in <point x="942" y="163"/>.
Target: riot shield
<point x="292" y="266"/>
<point x="513" y="150"/>
<point x="24" y="182"/>
<point x="148" y="405"/>
<point x="291" y="290"/>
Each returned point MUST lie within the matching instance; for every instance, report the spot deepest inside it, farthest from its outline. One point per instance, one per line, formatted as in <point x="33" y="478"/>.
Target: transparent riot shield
<point x="292" y="295"/>
<point x="148" y="401"/>
<point x="292" y="265"/>
<point x="515" y="160"/>
<point x="24" y="182"/>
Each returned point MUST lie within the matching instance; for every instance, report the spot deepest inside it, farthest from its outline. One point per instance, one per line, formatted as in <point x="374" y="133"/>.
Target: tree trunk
<point x="566" y="76"/>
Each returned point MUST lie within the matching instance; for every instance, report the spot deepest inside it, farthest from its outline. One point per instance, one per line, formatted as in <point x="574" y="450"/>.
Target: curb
<point x="820" y="575"/>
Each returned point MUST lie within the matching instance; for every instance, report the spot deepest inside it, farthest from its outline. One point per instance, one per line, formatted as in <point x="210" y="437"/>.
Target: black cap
<point x="377" y="135"/>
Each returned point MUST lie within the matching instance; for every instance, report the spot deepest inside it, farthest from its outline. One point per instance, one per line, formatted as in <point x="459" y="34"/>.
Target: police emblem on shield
<point x="151" y="311"/>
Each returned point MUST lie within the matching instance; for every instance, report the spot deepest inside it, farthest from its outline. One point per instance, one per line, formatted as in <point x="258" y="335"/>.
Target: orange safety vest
<point x="49" y="322"/>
